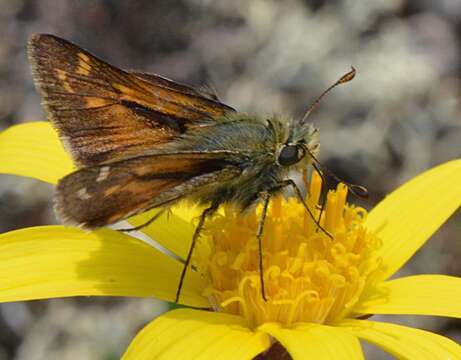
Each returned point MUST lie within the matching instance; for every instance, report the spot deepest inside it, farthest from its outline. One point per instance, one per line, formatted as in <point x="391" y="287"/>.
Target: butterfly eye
<point x="290" y="155"/>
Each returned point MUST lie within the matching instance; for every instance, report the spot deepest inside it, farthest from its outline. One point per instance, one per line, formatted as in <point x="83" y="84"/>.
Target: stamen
<point x="308" y="276"/>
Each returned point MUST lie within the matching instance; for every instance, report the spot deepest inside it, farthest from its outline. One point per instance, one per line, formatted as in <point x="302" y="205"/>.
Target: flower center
<point x="308" y="277"/>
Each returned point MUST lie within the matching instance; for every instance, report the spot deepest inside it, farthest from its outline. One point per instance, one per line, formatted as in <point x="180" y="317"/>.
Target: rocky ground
<point x="399" y="117"/>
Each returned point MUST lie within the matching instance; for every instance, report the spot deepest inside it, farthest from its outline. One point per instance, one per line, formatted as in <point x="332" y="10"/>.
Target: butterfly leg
<point x="299" y="195"/>
<point x="207" y="212"/>
<point x="259" y="235"/>
<point x="324" y="192"/>
<point x="147" y="223"/>
<point x="266" y="199"/>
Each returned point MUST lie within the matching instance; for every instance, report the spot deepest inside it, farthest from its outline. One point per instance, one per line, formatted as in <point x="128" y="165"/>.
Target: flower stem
<point x="275" y="352"/>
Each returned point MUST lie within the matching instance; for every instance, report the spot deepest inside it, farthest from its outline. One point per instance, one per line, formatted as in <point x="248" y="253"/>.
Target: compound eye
<point x="290" y="155"/>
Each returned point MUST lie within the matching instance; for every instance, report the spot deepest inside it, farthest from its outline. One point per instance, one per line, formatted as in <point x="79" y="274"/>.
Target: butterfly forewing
<point x="103" y="113"/>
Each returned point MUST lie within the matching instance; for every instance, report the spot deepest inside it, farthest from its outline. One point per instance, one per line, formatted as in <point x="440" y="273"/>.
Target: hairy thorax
<point x="252" y="144"/>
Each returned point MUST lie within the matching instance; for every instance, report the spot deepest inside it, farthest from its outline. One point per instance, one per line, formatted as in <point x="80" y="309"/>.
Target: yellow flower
<point x="319" y="291"/>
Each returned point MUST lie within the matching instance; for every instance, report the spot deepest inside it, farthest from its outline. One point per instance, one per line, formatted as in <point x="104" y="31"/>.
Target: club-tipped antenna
<point x="343" y="79"/>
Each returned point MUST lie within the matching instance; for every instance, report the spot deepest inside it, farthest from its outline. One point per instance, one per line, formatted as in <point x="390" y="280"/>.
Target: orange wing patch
<point x="84" y="64"/>
<point x="105" y="114"/>
<point x="136" y="185"/>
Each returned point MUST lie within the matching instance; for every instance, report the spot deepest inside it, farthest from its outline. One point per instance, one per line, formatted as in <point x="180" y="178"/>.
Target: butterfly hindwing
<point x="99" y="195"/>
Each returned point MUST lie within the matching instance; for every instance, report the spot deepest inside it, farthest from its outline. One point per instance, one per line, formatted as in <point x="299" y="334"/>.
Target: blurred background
<point x="399" y="117"/>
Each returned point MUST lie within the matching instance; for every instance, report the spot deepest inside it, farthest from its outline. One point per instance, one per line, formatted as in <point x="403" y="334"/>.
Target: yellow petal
<point x="314" y="341"/>
<point x="194" y="334"/>
<point x="54" y="261"/>
<point x="437" y="295"/>
<point x="408" y="217"/>
<point x="173" y="229"/>
<point x="188" y="211"/>
<point x="34" y="150"/>
<point x="169" y="230"/>
<point x="405" y="342"/>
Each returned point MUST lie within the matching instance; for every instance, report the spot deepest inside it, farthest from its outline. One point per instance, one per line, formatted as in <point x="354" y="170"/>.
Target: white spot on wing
<point x="83" y="194"/>
<point x="65" y="140"/>
<point x="103" y="173"/>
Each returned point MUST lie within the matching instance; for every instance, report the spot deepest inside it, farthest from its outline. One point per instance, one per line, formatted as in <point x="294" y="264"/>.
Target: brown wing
<point x="99" y="195"/>
<point x="103" y="113"/>
<point x="203" y="92"/>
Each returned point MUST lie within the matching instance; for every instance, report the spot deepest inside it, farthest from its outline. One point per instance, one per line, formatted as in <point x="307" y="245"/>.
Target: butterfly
<point x="142" y="141"/>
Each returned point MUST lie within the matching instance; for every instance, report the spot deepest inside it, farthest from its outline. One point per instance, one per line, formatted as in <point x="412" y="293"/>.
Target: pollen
<point x="308" y="277"/>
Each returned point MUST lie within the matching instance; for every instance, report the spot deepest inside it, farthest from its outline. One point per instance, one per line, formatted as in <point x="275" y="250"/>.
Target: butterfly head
<point x="299" y="145"/>
<point x="303" y="145"/>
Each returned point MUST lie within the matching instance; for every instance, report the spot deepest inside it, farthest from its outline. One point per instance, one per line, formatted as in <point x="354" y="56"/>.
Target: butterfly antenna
<point x="357" y="190"/>
<point x="343" y="79"/>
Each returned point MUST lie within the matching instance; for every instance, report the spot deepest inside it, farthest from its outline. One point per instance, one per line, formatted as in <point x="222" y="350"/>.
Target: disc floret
<point x="308" y="276"/>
